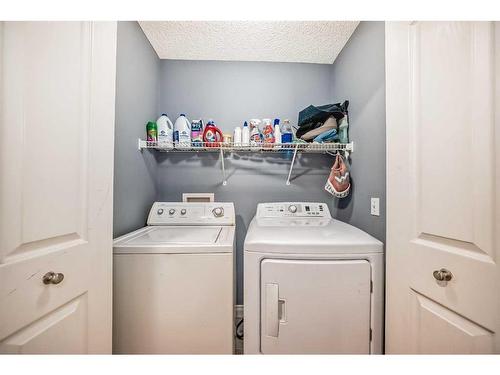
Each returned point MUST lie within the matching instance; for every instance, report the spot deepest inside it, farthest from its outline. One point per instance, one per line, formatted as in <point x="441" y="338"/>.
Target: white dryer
<point x="312" y="284"/>
<point x="173" y="281"/>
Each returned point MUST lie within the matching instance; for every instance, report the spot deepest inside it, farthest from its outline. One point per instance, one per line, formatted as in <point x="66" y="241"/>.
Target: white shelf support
<point x="291" y="165"/>
<point x="224" y="181"/>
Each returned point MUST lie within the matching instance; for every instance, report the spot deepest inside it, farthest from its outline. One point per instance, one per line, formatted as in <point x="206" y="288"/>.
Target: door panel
<point x="452" y="84"/>
<point x="25" y="297"/>
<point x="320" y="306"/>
<point x="45" y="134"/>
<point x="472" y="287"/>
<point x="56" y="168"/>
<point x="57" y="206"/>
<point x="442" y="168"/>
<point x="63" y="331"/>
<point x="457" y="335"/>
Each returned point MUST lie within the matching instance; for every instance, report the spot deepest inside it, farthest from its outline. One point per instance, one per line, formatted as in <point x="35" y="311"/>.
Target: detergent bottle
<point x="182" y="132"/>
<point x="268" y="132"/>
<point x="212" y="136"/>
<point x="165" y="131"/>
<point x="197" y="133"/>
<point x="151" y="131"/>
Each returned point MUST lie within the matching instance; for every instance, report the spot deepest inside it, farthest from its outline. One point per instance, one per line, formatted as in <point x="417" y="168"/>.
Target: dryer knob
<point x="160" y="211"/>
<point x="171" y="211"/>
<point x="218" y="211"/>
<point x="292" y="208"/>
<point x="183" y="211"/>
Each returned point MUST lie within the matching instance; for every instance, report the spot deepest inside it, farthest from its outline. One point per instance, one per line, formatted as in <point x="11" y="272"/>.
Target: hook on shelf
<point x="334" y="153"/>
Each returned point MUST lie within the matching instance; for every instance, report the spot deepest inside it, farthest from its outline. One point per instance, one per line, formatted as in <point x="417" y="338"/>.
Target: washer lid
<point x="308" y="236"/>
<point x="176" y="239"/>
<point x="180" y="235"/>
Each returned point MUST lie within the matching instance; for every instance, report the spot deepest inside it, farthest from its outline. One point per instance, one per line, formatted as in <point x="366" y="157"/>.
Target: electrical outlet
<point x="375" y="206"/>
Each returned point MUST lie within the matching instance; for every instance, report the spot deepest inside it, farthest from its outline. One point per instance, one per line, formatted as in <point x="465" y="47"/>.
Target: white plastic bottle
<point x="165" y="131"/>
<point x="277" y="135"/>
<point x="245" y="135"/>
<point x="237" y="136"/>
<point x="182" y="132"/>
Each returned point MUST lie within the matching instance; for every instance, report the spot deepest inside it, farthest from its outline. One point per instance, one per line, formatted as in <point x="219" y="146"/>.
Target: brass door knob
<point x="52" y="278"/>
<point x="442" y="275"/>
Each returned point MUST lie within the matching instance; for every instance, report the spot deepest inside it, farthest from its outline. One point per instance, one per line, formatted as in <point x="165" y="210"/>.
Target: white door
<point x="315" y="306"/>
<point x="57" y="87"/>
<point x="443" y="181"/>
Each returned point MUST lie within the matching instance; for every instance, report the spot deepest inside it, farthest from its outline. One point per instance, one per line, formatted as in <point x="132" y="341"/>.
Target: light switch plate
<point x="375" y="206"/>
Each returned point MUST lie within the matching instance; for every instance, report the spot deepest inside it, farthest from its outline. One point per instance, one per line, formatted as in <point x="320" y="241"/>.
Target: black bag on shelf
<point x="314" y="116"/>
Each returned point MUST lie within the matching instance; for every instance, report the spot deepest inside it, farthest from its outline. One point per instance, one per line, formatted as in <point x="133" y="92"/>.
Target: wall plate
<point x="198" y="197"/>
<point x="375" y="206"/>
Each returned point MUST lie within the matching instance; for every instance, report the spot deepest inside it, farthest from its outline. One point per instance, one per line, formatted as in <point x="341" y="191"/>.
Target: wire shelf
<point x="233" y="147"/>
<point x="224" y="147"/>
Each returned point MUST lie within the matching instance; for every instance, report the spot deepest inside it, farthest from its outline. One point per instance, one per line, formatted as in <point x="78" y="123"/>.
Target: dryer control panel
<point x="293" y="209"/>
<point x="199" y="213"/>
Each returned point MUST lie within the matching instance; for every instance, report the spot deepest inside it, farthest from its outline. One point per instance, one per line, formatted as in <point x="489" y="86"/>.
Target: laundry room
<point x="249" y="187"/>
<point x="159" y="73"/>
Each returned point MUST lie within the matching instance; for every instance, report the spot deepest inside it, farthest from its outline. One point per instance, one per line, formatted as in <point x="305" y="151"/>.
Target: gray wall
<point x="358" y="74"/>
<point x="230" y="92"/>
<point x="137" y="91"/>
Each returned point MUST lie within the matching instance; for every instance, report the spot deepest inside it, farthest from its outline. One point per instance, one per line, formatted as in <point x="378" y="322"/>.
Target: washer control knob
<point x="160" y="211"/>
<point x="183" y="211"/>
<point x="218" y="211"/>
<point x="292" y="208"/>
<point x="171" y="211"/>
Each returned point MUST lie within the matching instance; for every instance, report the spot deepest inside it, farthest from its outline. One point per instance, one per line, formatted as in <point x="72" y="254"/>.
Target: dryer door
<point x="315" y="306"/>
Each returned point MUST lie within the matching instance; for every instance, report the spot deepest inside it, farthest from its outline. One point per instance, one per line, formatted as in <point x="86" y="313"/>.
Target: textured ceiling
<point x="283" y="41"/>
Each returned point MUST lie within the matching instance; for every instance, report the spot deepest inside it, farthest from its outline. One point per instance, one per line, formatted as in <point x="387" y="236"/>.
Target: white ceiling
<point x="283" y="41"/>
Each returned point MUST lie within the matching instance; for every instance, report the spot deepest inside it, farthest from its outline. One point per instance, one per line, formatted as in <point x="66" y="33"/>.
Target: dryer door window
<point x="315" y="306"/>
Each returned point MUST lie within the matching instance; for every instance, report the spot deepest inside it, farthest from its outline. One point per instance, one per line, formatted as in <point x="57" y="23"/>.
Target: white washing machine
<point x="173" y="282"/>
<point x="312" y="284"/>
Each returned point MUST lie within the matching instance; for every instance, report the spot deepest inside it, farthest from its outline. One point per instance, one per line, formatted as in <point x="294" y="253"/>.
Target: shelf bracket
<point x="291" y="165"/>
<point x="224" y="181"/>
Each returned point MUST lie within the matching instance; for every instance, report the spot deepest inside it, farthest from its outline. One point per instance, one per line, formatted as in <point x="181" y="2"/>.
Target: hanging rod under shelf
<point x="221" y="147"/>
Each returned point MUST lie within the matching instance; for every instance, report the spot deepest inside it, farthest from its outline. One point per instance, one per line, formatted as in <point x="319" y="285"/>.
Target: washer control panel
<point x="199" y="213"/>
<point x="293" y="209"/>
